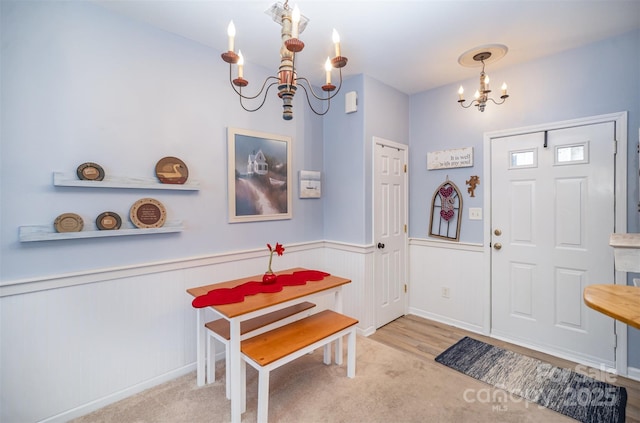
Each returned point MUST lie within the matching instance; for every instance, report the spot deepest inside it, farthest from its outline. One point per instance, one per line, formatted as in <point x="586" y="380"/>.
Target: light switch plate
<point x="475" y="213"/>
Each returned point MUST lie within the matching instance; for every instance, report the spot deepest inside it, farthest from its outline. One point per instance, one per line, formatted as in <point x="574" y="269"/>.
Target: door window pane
<point x="520" y="159"/>
<point x="571" y="154"/>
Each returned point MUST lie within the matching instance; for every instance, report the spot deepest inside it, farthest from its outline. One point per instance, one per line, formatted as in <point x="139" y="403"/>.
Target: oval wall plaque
<point x="172" y="170"/>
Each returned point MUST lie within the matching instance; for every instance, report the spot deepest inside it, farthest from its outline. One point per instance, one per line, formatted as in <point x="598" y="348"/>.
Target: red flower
<point x="279" y="249"/>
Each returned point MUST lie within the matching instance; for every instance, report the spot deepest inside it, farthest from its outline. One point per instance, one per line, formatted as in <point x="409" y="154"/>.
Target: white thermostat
<point x="351" y="102"/>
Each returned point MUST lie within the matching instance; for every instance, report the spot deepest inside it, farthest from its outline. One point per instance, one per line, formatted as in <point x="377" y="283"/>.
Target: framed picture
<point x="259" y="176"/>
<point x="310" y="184"/>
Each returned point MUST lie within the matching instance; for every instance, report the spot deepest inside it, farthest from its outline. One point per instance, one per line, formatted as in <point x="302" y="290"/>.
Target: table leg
<point x="236" y="371"/>
<point x="201" y="336"/>
<point x="337" y="307"/>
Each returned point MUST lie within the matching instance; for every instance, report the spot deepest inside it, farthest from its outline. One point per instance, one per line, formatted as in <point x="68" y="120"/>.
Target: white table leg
<point x="337" y="307"/>
<point x="201" y="336"/>
<point x="351" y="354"/>
<point x="236" y="376"/>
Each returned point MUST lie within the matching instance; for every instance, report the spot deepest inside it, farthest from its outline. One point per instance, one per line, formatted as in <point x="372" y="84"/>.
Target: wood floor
<point x="427" y="339"/>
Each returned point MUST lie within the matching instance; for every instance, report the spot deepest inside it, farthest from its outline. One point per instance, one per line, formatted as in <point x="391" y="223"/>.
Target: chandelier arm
<point x="469" y="105"/>
<point x="317" y="96"/>
<point x="246" y="97"/>
<point x="306" y="94"/>
<point x="495" y="102"/>
<point x="264" y="98"/>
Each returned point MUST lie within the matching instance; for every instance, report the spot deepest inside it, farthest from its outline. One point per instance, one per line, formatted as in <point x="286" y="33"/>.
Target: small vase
<point x="269" y="278"/>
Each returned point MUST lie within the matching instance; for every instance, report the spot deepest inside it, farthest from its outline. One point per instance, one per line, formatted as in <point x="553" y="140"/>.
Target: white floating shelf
<point x="65" y="180"/>
<point x="48" y="233"/>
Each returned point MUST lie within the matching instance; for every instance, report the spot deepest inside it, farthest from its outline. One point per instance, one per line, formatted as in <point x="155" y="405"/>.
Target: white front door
<point x="553" y="210"/>
<point x="390" y="231"/>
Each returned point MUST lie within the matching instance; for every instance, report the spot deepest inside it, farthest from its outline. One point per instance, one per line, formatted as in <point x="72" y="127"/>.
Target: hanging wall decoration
<point x="472" y="182"/>
<point x="446" y="212"/>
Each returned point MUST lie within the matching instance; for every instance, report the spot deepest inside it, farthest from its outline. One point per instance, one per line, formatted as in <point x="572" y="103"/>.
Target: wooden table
<point x="253" y="306"/>
<point x="621" y="302"/>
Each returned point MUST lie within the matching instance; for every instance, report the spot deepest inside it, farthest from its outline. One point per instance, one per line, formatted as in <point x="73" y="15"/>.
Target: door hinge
<point x="615" y="147"/>
<point x="405" y="168"/>
<point x="405" y="288"/>
<point x="405" y="228"/>
<point x="615" y="340"/>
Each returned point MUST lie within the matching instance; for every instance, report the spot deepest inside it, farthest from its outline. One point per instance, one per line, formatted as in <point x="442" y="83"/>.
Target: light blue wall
<point x="343" y="188"/>
<point x="348" y="149"/>
<point x="79" y="84"/>
<point x="387" y="116"/>
<point x="600" y="78"/>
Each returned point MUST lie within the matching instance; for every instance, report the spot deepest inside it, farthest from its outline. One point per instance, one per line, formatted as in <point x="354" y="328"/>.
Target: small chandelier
<point x="482" y="93"/>
<point x="287" y="79"/>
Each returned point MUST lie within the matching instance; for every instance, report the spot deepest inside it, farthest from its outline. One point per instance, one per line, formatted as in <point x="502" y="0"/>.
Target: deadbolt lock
<point x="498" y="232"/>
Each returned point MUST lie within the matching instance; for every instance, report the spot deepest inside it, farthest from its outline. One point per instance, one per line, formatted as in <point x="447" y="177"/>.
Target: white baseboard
<point x="633" y="373"/>
<point x="445" y="320"/>
<point x="120" y="395"/>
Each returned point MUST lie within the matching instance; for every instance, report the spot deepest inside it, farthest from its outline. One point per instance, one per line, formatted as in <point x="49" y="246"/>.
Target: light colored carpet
<point x="390" y="386"/>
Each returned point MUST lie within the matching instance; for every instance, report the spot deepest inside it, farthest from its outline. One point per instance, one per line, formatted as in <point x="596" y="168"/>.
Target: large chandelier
<point x="287" y="79"/>
<point x="477" y="57"/>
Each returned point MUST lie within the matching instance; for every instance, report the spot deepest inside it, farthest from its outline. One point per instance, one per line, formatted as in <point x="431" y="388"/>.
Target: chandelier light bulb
<point x="486" y="82"/>
<point x="295" y="22"/>
<point x="504" y="88"/>
<point x="231" y="32"/>
<point x="327" y="68"/>
<point x="477" y="94"/>
<point x="240" y="64"/>
<point x="461" y="93"/>
<point x="336" y="41"/>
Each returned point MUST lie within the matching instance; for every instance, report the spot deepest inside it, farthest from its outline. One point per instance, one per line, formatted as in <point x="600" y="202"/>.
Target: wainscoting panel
<point x="355" y="263"/>
<point x="74" y="343"/>
<point x="445" y="282"/>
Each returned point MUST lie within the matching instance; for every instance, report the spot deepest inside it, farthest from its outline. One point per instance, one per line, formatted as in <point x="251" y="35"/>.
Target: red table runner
<point x="237" y="293"/>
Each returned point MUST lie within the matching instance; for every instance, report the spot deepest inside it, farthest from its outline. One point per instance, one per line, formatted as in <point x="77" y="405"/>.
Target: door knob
<point x="497" y="245"/>
<point x="380" y="245"/>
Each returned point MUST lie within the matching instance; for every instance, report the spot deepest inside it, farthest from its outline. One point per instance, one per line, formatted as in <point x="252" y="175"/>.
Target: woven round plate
<point x="90" y="172"/>
<point x="68" y="222"/>
<point x="108" y="221"/>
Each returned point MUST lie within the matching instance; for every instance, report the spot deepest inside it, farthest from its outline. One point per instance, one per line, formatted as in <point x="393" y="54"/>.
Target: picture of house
<point x="257" y="164"/>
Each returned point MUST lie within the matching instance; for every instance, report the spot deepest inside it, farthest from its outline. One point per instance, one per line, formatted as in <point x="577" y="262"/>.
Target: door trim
<point x="405" y="150"/>
<point x="620" y="178"/>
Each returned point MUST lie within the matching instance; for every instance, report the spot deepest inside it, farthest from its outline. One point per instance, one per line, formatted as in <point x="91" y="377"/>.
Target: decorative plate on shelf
<point x="172" y="170"/>
<point x="90" y="172"/>
<point x="68" y="222"/>
<point x="148" y="213"/>
<point x="108" y="221"/>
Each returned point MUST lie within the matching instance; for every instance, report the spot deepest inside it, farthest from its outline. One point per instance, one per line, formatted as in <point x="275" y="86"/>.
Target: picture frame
<point x="310" y="183"/>
<point x="259" y="176"/>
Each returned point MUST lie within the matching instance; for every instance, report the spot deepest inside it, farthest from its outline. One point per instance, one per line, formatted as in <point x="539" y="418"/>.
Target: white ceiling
<point x="411" y="45"/>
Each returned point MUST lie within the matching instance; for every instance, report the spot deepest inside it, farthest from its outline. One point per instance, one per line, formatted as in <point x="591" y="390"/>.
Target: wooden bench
<point x="270" y="350"/>
<point x="219" y="329"/>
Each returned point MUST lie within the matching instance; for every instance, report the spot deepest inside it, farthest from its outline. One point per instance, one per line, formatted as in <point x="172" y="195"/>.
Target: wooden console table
<point x="618" y="301"/>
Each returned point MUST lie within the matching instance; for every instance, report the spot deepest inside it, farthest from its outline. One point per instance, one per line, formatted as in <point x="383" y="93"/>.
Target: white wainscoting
<point x="74" y="343"/>
<point x="438" y="265"/>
